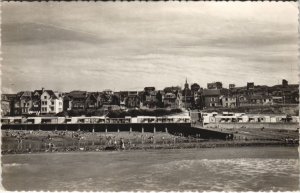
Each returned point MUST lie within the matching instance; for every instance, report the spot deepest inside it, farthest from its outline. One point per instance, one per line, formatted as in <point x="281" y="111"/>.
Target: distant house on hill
<point x="246" y="100"/>
<point x="172" y="100"/>
<point x="215" y="85"/>
<point x="228" y="101"/>
<point x="211" y="98"/>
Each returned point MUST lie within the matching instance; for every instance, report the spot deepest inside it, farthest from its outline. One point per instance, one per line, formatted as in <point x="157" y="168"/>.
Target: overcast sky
<point x="127" y="46"/>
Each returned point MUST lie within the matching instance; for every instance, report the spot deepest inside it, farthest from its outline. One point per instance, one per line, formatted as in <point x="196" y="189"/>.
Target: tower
<point x="186" y="88"/>
<point x="186" y="85"/>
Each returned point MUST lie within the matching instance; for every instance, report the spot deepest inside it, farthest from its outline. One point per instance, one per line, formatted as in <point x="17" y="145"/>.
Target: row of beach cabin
<point x="93" y="120"/>
<point x="227" y="117"/>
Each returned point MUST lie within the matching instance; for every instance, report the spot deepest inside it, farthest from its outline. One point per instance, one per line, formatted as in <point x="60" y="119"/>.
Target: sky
<point x="93" y="46"/>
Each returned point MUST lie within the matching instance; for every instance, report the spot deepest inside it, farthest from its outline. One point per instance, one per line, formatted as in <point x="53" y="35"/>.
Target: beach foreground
<point x="21" y="141"/>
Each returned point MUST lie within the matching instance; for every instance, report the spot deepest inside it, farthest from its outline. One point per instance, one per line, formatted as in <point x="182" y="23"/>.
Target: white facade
<point x="243" y="118"/>
<point x="51" y="103"/>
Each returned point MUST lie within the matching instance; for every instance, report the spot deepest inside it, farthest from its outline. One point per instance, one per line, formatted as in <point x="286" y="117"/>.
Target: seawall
<point x="173" y="128"/>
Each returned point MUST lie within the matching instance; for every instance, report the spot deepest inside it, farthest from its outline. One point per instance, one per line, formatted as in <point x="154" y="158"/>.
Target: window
<point x="52" y="102"/>
<point x="45" y="97"/>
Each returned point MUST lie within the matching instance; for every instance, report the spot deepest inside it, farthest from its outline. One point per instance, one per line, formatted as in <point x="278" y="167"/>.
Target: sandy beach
<point x="20" y="141"/>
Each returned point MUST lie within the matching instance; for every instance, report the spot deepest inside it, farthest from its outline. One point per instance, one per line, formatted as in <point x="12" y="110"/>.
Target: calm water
<point x="235" y="169"/>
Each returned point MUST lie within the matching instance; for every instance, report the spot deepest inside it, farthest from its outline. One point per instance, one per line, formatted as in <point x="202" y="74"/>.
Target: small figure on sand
<point x="122" y="144"/>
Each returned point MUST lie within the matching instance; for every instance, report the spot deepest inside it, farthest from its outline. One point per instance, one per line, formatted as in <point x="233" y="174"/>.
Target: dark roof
<point x="24" y="94"/>
<point x="91" y="96"/>
<point x="149" y="88"/>
<point x="4" y="97"/>
<point x="40" y="92"/>
<point x="52" y="94"/>
<point x="66" y="97"/>
<point x="77" y="94"/>
<point x="211" y="92"/>
<point x="9" y="97"/>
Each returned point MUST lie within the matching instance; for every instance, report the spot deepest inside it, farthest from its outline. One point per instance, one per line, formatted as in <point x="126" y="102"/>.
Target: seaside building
<point x="211" y="98"/>
<point x="48" y="102"/>
<point x="133" y="99"/>
<point x="23" y="103"/>
<point x="51" y="102"/>
<point x="229" y="101"/>
<point x="172" y="100"/>
<point x="5" y="105"/>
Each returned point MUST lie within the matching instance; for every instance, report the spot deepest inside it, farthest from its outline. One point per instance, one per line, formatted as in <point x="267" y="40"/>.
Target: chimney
<point x="43" y="89"/>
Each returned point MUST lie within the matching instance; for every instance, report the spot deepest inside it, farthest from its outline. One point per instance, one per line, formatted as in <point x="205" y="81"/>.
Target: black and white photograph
<point x="149" y="96"/>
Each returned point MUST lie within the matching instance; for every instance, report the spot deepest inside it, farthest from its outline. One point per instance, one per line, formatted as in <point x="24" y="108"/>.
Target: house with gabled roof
<point x="22" y="103"/>
<point x="211" y="97"/>
<point x="51" y="102"/>
<point x="228" y="101"/>
<point x="91" y="101"/>
<point x="76" y="99"/>
<point x="5" y="105"/>
<point x="172" y="100"/>
<point x="36" y="101"/>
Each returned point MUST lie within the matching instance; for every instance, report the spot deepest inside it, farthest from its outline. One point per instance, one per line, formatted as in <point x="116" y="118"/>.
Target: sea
<point x="207" y="169"/>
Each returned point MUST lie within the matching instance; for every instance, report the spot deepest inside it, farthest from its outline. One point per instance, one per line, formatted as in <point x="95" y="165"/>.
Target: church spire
<point x="186" y="85"/>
